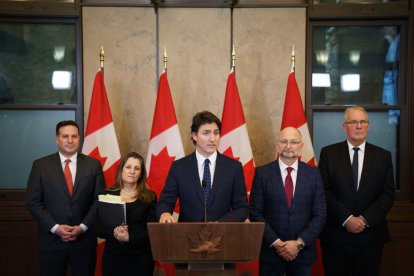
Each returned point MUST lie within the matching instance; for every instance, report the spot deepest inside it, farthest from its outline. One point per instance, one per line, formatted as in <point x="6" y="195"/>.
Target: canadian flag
<point x="100" y="138"/>
<point x="234" y="140"/>
<point x="294" y="116"/>
<point x="165" y="146"/>
<point x="235" y="144"/>
<point x="101" y="143"/>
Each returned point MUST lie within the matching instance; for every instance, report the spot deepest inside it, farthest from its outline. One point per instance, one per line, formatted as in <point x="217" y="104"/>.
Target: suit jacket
<point x="49" y="202"/>
<point x="373" y="199"/>
<point x="305" y="218"/>
<point x="228" y="200"/>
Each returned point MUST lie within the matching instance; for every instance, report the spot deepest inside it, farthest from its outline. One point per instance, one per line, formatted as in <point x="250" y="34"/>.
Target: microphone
<point x="204" y="184"/>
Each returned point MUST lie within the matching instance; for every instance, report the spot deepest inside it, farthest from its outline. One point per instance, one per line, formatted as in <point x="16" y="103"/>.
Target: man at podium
<point x="288" y="196"/>
<point x="209" y="185"/>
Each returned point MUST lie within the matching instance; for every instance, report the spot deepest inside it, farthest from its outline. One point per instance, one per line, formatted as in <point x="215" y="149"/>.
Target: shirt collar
<point x="361" y="147"/>
<point x="201" y="159"/>
<point x="283" y="166"/>
<point x="73" y="158"/>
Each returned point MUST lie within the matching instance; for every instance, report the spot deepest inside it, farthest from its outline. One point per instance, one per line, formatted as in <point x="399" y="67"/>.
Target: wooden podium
<point x="197" y="248"/>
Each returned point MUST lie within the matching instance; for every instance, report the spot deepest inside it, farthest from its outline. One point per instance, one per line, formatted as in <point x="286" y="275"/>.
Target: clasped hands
<point x="288" y="250"/>
<point x="121" y="233"/>
<point x="355" y="224"/>
<point x="68" y="233"/>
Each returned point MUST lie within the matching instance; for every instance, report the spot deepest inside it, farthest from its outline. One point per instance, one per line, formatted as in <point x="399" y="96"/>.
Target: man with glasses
<point x="359" y="190"/>
<point x="287" y="195"/>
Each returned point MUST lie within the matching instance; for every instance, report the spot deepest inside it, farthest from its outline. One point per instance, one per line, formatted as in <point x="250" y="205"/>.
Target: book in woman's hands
<point x="111" y="210"/>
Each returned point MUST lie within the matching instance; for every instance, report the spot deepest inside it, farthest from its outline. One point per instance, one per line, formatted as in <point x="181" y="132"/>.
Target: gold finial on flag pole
<point x="101" y="57"/>
<point x="293" y="59"/>
<point x="165" y="59"/>
<point x="233" y="57"/>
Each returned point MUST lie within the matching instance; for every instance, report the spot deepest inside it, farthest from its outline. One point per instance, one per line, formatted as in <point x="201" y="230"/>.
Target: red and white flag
<point x="294" y="116"/>
<point x="100" y="138"/>
<point x="101" y="143"/>
<point x="165" y="144"/>
<point x="234" y="141"/>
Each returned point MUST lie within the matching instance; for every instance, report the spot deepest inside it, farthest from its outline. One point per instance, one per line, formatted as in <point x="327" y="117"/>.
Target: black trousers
<point x="56" y="262"/>
<point x="351" y="260"/>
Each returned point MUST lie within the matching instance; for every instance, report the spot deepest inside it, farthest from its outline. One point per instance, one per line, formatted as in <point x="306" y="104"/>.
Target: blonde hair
<point x="142" y="190"/>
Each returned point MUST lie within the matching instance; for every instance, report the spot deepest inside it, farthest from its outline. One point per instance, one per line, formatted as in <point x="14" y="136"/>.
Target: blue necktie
<point x="355" y="167"/>
<point x="207" y="179"/>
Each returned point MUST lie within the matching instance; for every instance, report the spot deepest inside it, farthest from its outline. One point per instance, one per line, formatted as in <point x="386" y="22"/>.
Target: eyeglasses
<point x="354" y="123"/>
<point x="292" y="143"/>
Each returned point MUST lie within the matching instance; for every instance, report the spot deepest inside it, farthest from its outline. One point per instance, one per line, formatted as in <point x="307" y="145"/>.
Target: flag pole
<point x="292" y="58"/>
<point x="233" y="58"/>
<point x="165" y="59"/>
<point x="101" y="59"/>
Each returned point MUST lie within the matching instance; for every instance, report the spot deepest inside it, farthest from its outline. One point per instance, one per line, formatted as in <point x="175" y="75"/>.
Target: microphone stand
<point x="204" y="184"/>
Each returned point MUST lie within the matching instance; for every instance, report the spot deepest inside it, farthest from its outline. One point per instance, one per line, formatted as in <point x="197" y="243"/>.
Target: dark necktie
<point x="68" y="177"/>
<point x="289" y="186"/>
<point x="207" y="179"/>
<point x="355" y="167"/>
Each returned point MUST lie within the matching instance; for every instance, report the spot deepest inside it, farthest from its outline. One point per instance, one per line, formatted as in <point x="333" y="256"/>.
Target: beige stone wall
<point x="198" y="42"/>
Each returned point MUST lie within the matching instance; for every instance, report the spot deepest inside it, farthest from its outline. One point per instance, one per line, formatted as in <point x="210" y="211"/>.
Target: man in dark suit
<point x="204" y="178"/>
<point x="359" y="187"/>
<point x="287" y="195"/>
<point x="62" y="193"/>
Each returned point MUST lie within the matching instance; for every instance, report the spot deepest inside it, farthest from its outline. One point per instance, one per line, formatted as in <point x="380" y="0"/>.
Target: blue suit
<point x="305" y="218"/>
<point x="228" y="200"/>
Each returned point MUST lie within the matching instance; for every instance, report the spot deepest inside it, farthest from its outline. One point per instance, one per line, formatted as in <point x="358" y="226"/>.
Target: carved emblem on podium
<point x="204" y="243"/>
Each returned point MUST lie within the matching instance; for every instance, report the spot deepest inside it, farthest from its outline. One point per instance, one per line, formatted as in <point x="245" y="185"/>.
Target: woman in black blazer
<point x="127" y="250"/>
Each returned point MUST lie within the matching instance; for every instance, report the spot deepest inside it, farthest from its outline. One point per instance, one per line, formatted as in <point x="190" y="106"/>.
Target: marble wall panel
<point x="128" y="36"/>
<point x="198" y="43"/>
<point x="263" y="38"/>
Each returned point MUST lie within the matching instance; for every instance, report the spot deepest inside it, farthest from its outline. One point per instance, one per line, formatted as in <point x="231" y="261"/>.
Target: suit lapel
<point x="194" y="177"/>
<point x="80" y="168"/>
<point x="346" y="163"/>
<point x="276" y="178"/>
<point x="368" y="159"/>
<point x="218" y="172"/>
<point x="300" y="177"/>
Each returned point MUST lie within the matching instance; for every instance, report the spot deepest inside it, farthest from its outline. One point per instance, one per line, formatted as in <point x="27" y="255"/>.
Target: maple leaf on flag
<point x="229" y="153"/>
<point x="161" y="164"/>
<point x="97" y="155"/>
